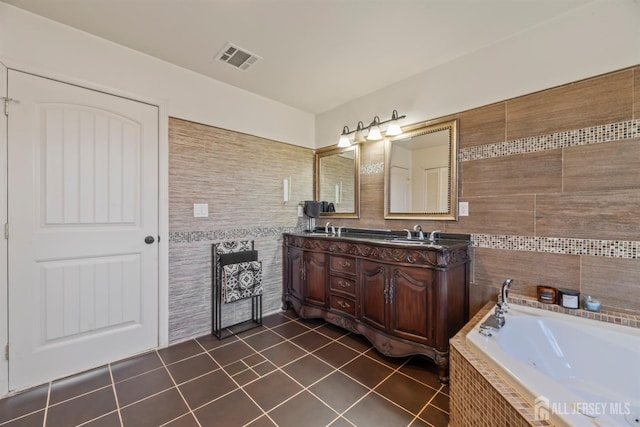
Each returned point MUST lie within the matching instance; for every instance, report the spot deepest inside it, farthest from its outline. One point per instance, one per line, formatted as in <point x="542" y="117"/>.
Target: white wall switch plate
<point x="200" y="210"/>
<point x="463" y="209"/>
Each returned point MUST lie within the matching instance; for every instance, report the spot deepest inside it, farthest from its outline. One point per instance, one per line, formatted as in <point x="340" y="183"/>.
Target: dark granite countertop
<point x="443" y="241"/>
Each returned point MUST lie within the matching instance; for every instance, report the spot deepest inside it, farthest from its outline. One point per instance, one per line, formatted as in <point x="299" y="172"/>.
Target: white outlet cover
<point x="463" y="209"/>
<point x="200" y="210"/>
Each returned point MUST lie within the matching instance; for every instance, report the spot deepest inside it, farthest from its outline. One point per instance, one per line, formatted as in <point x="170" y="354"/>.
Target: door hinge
<point x="6" y="230"/>
<point x="6" y="104"/>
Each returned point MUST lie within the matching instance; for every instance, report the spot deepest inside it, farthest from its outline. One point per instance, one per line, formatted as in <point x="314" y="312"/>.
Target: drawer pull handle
<point x="343" y="304"/>
<point x="343" y="284"/>
<point x="346" y="264"/>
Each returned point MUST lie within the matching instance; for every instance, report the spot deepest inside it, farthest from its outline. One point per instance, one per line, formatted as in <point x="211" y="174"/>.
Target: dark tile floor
<point x="289" y="372"/>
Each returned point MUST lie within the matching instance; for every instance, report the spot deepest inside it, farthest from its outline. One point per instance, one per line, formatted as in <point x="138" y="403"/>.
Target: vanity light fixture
<point x="393" y="129"/>
<point x="359" y="136"/>
<point x="344" y="138"/>
<point x="374" y="130"/>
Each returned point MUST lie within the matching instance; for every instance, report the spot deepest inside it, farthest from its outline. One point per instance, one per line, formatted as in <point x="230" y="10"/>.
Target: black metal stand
<point x="242" y="250"/>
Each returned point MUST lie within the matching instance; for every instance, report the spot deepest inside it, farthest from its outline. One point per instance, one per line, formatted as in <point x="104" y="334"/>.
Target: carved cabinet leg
<point x="442" y="362"/>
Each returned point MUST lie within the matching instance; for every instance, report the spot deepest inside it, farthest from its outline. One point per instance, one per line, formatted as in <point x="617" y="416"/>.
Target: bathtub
<point x="573" y="371"/>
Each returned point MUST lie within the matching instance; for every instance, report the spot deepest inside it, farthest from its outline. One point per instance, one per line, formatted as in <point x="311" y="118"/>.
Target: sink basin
<point x="416" y="242"/>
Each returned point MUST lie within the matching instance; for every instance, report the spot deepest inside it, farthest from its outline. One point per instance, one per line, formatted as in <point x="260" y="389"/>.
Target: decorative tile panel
<point x="559" y="245"/>
<point x="592" y="135"/>
<point x="371" y="168"/>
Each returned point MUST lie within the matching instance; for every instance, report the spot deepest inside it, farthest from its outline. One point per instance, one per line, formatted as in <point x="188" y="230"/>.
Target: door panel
<point x="294" y="271"/>
<point x="374" y="294"/>
<point x="83" y="194"/>
<point x="412" y="301"/>
<point x="315" y="268"/>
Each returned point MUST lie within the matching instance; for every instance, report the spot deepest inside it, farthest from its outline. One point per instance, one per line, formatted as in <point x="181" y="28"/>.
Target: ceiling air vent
<point x="237" y="57"/>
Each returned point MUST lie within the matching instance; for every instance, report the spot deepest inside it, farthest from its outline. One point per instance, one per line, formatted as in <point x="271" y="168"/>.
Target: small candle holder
<point x="591" y="304"/>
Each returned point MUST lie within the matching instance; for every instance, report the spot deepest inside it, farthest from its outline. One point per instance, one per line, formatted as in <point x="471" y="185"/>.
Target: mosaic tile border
<point x="619" y="131"/>
<point x="371" y="168"/>
<point x="229" y="234"/>
<point x="560" y="245"/>
<point x="606" y="316"/>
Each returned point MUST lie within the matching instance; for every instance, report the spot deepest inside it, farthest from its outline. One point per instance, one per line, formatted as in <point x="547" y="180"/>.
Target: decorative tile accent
<point x="372" y="168"/>
<point x="229" y="234"/>
<point x="560" y="245"/>
<point x="592" y="135"/>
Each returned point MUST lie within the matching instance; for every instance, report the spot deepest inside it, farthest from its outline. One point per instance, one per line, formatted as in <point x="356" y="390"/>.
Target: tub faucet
<point x="418" y="228"/>
<point x="408" y="233"/>
<point x="432" y="235"/>
<point x="496" y="320"/>
<point x="340" y="231"/>
<point x="505" y="294"/>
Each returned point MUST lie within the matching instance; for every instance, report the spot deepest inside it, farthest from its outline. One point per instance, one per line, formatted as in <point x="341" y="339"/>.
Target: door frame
<point x="163" y="202"/>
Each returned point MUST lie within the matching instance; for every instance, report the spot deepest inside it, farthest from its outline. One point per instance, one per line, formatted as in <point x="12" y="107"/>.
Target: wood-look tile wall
<point x="587" y="191"/>
<point x="241" y="178"/>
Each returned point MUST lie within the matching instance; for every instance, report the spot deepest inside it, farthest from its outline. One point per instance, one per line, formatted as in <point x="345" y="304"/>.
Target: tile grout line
<point x="279" y="368"/>
<point x="46" y="406"/>
<point x="338" y="369"/>
<point x="175" y="384"/>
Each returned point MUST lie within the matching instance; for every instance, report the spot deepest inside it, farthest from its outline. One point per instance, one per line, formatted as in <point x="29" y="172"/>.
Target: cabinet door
<point x="315" y="273"/>
<point x="373" y="291"/>
<point x="411" y="304"/>
<point x="294" y="272"/>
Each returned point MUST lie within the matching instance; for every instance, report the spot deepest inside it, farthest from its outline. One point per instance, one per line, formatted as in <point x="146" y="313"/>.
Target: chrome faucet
<point x="505" y="294"/>
<point x="408" y="233"/>
<point x="432" y="235"/>
<point x="418" y="228"/>
<point x="340" y="231"/>
<point x="496" y="320"/>
<point x="326" y="228"/>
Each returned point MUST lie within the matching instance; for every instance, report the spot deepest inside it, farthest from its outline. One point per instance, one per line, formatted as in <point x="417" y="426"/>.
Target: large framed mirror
<point x="338" y="181"/>
<point x="421" y="177"/>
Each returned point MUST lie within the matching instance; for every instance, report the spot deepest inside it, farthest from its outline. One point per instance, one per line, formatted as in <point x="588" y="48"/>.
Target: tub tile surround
<point x="607" y="316"/>
<point x="553" y="186"/>
<point x="471" y="376"/>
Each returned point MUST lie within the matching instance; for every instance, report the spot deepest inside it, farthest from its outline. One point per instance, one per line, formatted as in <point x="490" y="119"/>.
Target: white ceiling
<point x="317" y="54"/>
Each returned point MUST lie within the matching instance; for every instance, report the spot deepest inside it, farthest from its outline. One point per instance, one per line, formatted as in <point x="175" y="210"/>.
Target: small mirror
<point x="338" y="181"/>
<point x="421" y="173"/>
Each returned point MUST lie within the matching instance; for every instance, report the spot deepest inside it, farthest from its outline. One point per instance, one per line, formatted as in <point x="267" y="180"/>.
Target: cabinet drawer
<point x="343" y="285"/>
<point x="343" y="264"/>
<point x="344" y="305"/>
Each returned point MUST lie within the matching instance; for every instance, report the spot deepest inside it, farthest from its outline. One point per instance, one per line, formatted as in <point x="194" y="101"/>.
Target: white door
<point x="436" y="189"/>
<point x="82" y="198"/>
<point x="400" y="190"/>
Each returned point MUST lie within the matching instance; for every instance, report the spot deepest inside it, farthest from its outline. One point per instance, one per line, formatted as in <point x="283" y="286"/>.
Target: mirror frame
<point x="416" y="130"/>
<point x="330" y="151"/>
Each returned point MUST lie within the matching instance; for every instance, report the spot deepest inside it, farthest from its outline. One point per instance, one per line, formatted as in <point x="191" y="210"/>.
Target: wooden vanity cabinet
<point x="398" y="300"/>
<point x="404" y="299"/>
<point x="314" y="278"/>
<point x="306" y="274"/>
<point x="293" y="272"/>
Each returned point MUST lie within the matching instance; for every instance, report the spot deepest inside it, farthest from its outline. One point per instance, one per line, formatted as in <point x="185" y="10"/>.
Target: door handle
<point x="149" y="240"/>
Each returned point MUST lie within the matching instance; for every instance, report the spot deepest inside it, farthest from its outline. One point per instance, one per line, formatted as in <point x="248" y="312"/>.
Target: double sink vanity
<point x="405" y="295"/>
<point x="405" y="292"/>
